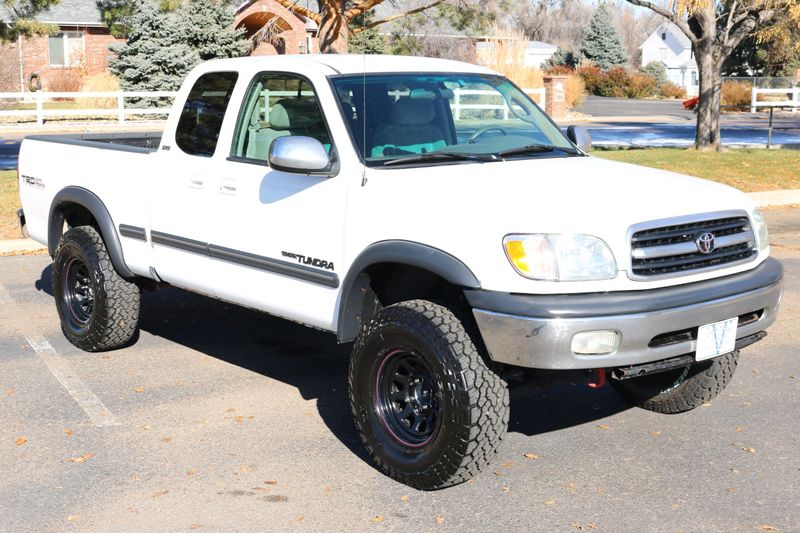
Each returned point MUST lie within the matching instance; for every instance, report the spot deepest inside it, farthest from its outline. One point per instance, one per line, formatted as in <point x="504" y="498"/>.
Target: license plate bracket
<point x="716" y="339"/>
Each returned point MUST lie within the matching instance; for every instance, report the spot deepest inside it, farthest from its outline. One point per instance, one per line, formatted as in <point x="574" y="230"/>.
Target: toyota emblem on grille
<point x="706" y="243"/>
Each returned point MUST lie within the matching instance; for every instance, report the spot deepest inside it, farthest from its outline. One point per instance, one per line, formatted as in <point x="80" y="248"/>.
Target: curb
<point x="21" y="247"/>
<point x="782" y="198"/>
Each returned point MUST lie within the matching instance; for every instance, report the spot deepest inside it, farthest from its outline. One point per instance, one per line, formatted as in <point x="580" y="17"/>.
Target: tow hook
<point x="597" y="379"/>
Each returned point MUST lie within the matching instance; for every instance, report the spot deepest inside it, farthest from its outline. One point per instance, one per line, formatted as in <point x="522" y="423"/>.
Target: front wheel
<point x="680" y="390"/>
<point x="99" y="310"/>
<point x="429" y="409"/>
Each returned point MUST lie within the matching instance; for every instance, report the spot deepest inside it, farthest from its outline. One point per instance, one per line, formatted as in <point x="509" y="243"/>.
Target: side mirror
<point x="298" y="155"/>
<point x="580" y="137"/>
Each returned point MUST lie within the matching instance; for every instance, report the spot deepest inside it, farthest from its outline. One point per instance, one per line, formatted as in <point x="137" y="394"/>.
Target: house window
<point x="66" y="49"/>
<point x="695" y="81"/>
<point x="664" y="36"/>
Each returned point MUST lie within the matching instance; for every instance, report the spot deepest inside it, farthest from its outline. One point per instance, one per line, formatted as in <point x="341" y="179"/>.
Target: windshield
<point x="431" y="118"/>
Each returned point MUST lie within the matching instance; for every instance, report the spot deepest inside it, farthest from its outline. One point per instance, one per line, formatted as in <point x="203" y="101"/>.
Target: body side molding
<point x="354" y="295"/>
<point x="133" y="232"/>
<point x="89" y="201"/>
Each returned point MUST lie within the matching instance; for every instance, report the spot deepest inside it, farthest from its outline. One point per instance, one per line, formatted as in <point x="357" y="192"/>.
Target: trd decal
<point x="310" y="261"/>
<point x="30" y="181"/>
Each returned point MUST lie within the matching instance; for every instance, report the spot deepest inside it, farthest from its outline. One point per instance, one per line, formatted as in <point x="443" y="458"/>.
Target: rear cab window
<point x="201" y="119"/>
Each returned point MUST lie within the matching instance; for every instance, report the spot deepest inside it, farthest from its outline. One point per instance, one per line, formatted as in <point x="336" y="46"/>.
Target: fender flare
<point x="358" y="300"/>
<point x="98" y="210"/>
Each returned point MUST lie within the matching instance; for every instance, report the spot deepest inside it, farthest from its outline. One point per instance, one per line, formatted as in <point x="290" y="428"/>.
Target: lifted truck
<point x="427" y="210"/>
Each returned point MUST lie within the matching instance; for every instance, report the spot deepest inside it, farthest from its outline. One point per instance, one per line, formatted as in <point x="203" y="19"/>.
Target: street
<point x="221" y="418"/>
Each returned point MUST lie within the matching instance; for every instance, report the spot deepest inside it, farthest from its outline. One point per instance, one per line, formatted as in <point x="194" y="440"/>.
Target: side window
<point x="201" y="118"/>
<point x="277" y="105"/>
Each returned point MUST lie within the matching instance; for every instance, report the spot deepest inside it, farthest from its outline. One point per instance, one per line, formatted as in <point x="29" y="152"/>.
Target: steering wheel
<point x="483" y="131"/>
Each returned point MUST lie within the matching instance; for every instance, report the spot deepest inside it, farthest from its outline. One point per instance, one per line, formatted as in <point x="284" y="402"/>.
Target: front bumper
<point x="536" y="331"/>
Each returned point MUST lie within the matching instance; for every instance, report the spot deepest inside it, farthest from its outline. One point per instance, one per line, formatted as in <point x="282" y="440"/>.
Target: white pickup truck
<point x="427" y="210"/>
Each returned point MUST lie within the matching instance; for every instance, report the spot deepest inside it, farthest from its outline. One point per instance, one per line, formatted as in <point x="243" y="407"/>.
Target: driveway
<point x="600" y="106"/>
<point x="223" y="419"/>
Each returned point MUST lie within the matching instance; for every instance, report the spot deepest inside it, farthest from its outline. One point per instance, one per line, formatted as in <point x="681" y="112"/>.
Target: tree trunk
<point x="708" y="108"/>
<point x="333" y="35"/>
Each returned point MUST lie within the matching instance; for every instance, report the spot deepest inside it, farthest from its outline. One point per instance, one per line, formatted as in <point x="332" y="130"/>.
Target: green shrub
<point x="657" y="70"/>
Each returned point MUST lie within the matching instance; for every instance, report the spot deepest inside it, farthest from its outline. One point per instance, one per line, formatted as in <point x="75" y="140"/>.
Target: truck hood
<point x="469" y="208"/>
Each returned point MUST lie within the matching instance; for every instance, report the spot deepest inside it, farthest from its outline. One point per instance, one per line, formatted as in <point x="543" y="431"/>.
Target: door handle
<point x="227" y="186"/>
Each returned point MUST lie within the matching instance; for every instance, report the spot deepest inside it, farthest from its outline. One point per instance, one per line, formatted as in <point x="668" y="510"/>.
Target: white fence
<point x="120" y="111"/>
<point x="458" y="106"/>
<point x="792" y="101"/>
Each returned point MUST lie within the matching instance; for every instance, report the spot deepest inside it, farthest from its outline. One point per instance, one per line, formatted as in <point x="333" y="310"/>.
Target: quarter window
<point x="202" y="115"/>
<point x="278" y="105"/>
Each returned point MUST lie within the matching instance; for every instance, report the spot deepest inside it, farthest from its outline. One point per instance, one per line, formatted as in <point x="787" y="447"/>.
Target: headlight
<point x="760" y="228"/>
<point x="569" y="257"/>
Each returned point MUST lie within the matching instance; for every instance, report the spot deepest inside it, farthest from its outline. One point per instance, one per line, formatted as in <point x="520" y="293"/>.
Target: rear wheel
<point x="680" y="390"/>
<point x="430" y="411"/>
<point x="99" y="310"/>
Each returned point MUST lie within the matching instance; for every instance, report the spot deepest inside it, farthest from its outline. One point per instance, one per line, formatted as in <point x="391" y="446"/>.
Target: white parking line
<point x="5" y="297"/>
<point x="60" y="368"/>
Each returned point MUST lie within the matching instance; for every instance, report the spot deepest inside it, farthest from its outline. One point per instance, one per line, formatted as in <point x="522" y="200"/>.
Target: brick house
<point x="80" y="46"/>
<point x="273" y="29"/>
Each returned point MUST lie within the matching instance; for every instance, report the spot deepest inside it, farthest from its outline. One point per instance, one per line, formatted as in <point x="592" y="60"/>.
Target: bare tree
<point x="716" y="28"/>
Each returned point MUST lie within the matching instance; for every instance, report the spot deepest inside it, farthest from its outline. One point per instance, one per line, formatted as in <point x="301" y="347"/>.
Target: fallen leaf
<point x="571" y="488"/>
<point x="739" y="429"/>
<point x="271" y="482"/>
<point x="328" y="490"/>
<point x="655" y="433"/>
<point x="791" y="376"/>
<point x="301" y="518"/>
<point x="532" y="456"/>
<point x="105" y="357"/>
<point x="749" y="450"/>
<point x="146" y="427"/>
<point x="22" y="440"/>
<point x="160" y="493"/>
<point x="81" y="459"/>
<point x="246" y="469"/>
<point x="603" y="427"/>
<point x="756" y="371"/>
<point x="139" y="389"/>
<point x="674" y="506"/>
<point x="507" y="465"/>
<point x="260" y="489"/>
<point x="69" y="432"/>
<point x="440" y="520"/>
<point x="707" y="404"/>
<point x="584" y="527"/>
<point x="735" y="471"/>
<point x="9" y="392"/>
<point x="195" y="526"/>
<point x="191" y="472"/>
<point x="404" y="498"/>
<point x="230" y="410"/>
<point x="767" y="527"/>
<point x="732" y="490"/>
<point x="505" y="490"/>
<point x="377" y="519"/>
<point x="498" y="474"/>
<point x="549" y="502"/>
<point x="166" y="440"/>
<point x="73" y="518"/>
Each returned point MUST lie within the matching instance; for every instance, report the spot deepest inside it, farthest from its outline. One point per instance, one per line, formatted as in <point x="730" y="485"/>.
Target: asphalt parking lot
<point x="222" y="419"/>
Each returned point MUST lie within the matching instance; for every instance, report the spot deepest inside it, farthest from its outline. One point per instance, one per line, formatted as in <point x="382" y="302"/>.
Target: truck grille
<point x="682" y="248"/>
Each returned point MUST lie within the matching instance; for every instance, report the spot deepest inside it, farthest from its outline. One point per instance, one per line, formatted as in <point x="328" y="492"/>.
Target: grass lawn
<point x="750" y="170"/>
<point x="9" y="203"/>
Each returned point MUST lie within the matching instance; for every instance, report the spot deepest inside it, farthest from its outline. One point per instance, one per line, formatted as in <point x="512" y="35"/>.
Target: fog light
<point x="600" y="342"/>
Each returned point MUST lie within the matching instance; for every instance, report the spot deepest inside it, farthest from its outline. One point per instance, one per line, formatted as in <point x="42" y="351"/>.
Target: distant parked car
<point x="691" y="103"/>
<point x="9" y="153"/>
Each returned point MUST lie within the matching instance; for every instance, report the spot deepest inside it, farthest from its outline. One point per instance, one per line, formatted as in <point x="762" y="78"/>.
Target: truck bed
<point x="138" y="142"/>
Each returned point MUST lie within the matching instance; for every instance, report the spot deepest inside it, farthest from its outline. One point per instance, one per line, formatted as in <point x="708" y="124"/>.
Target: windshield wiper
<point x="534" y="149"/>
<point x="443" y="156"/>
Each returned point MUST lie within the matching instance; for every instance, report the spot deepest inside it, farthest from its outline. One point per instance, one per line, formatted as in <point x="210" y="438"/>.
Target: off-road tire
<point x="471" y="400"/>
<point x="681" y="390"/>
<point x="113" y="320"/>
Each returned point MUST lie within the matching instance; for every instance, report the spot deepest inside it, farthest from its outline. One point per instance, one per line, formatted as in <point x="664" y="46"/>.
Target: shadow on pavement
<point x="316" y="365"/>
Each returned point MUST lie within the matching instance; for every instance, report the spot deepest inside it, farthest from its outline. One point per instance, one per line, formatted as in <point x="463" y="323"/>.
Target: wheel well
<point x="383" y="284"/>
<point x="71" y="215"/>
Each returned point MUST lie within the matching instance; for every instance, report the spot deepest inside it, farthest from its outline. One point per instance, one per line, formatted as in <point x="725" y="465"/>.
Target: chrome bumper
<point x="545" y="341"/>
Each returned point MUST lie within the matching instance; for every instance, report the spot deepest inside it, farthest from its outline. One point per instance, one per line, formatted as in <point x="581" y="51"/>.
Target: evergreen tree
<point x="601" y="41"/>
<point x="114" y="12"/>
<point x="156" y="56"/>
<point x="658" y="71"/>
<point x="208" y="29"/>
<point x="22" y="23"/>
<point x="369" y="41"/>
